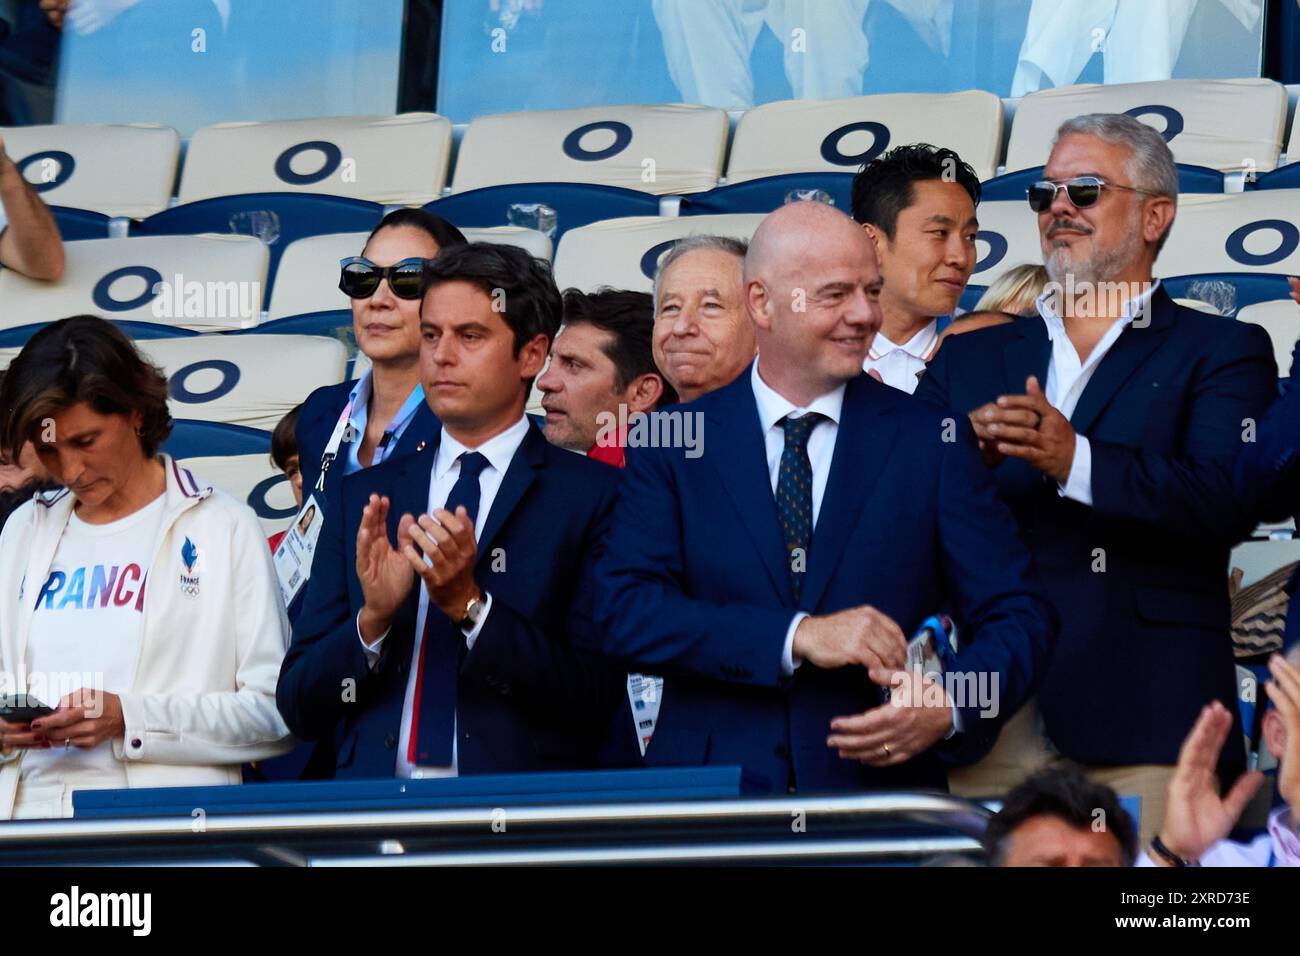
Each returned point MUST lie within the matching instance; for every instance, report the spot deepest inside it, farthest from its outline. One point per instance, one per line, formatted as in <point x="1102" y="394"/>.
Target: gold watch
<point x="473" y="611"/>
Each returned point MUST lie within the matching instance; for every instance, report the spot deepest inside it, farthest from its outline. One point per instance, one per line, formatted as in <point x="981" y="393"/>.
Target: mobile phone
<point x="22" y="709"/>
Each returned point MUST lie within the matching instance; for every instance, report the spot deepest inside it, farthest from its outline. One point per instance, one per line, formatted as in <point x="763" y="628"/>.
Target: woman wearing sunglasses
<point x="382" y="415"/>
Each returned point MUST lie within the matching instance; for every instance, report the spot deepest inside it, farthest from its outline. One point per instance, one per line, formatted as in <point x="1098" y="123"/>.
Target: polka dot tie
<point x="794" y="495"/>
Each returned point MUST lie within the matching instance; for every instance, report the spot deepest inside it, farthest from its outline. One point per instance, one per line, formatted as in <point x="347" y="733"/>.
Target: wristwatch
<point x="473" y="611"/>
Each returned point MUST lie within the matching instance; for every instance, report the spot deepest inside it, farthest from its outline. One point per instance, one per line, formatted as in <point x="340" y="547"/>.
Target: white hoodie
<point x="215" y="632"/>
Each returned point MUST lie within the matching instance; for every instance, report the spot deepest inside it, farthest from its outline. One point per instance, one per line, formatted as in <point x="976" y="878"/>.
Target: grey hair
<point x="682" y="247"/>
<point x="1151" y="163"/>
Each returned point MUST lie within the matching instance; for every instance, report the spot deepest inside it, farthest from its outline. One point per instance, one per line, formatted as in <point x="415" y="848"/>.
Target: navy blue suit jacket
<point x="695" y="586"/>
<point x="529" y="697"/>
<point x="1144" y="643"/>
<point x="1268" y="474"/>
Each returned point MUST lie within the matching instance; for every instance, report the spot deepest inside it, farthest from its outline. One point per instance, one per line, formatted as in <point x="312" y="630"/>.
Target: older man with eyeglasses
<point x="1112" y="423"/>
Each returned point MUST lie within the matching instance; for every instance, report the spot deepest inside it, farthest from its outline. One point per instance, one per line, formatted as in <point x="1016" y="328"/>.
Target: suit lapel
<point x="738" y="452"/>
<point x="1129" y="351"/>
<point x="1028" y="355"/>
<point x="867" y="431"/>
<point x="519" y="476"/>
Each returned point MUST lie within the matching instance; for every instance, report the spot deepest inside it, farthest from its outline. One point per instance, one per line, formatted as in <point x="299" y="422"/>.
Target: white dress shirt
<point x="1067" y="377"/>
<point x="1278" y="846"/>
<point x="899" y="365"/>
<point x="499" y="451"/>
<point x="772" y="407"/>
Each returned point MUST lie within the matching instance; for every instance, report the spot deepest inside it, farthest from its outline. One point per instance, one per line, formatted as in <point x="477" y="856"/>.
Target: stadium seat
<point x="575" y="204"/>
<point x="1191" y="179"/>
<point x="769" y="193"/>
<point x="191" y="439"/>
<point x="309" y="269"/>
<point x="17" y="337"/>
<point x="116" y="170"/>
<point x="1281" y="319"/>
<point x="1244" y="288"/>
<point x="77" y="224"/>
<point x="655" y="149"/>
<point x="623" y="253"/>
<point x="1254" y="231"/>
<point x="1228" y="125"/>
<point x="795" y="136"/>
<point x="203" y="283"/>
<point x="244" y="380"/>
<point x="1008" y="236"/>
<point x="276" y="218"/>
<point x="393" y="160"/>
<point x="252" y="479"/>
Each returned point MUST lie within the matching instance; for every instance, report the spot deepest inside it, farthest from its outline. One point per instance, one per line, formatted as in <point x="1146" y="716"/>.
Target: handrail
<point x="934" y="809"/>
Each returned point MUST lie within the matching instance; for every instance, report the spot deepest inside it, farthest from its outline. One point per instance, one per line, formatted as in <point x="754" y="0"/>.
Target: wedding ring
<point x="885" y="749"/>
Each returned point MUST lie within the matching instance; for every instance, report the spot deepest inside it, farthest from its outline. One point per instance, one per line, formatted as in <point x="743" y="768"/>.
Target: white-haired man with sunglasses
<point x="1112" y="422"/>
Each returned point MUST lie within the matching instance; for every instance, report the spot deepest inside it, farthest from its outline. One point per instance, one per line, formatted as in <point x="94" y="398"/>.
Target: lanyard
<point x="332" y="446"/>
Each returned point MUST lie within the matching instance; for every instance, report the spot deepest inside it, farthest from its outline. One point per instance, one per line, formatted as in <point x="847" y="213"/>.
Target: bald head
<point x="798" y="232"/>
<point x="812" y="289"/>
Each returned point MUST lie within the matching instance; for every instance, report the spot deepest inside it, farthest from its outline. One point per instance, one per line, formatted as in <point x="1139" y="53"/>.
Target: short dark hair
<point x="883" y="187"/>
<point x="523" y="285"/>
<point x="284" y="442"/>
<point x="81" y="359"/>
<point x="440" y="230"/>
<point x="1062" y="791"/>
<point x="629" y="317"/>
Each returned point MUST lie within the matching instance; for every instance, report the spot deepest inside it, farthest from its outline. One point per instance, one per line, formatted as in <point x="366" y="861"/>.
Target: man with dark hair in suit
<point x="774" y="573"/>
<point x="475" y="668"/>
<point x="1112" y="424"/>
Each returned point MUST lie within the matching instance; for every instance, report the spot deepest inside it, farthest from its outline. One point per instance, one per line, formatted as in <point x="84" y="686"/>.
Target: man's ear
<point x="1157" y="217"/>
<point x="878" y="238"/>
<point x="644" y="392"/>
<point x="1274" y="733"/>
<point x="532" y="357"/>
<point x="757" y="303"/>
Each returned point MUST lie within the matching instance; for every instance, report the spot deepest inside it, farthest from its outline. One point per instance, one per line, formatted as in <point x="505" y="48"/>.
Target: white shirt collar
<point x="773" y="406"/>
<point x="918" y="346"/>
<point x="1132" y="309"/>
<point x="498" y="450"/>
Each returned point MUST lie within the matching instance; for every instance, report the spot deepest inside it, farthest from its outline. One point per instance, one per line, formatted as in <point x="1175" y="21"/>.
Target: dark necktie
<point x="794" y="495"/>
<point x="433" y="717"/>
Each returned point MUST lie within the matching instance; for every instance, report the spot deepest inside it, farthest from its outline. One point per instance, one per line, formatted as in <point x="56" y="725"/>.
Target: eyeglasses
<point x="361" y="277"/>
<point x="1082" y="191"/>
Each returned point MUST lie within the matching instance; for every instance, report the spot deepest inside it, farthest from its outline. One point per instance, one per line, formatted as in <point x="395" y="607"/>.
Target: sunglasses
<point x="361" y="277"/>
<point x="1082" y="191"/>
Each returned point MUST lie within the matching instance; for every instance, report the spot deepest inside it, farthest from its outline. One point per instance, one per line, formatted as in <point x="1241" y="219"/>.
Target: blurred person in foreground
<point x="1198" y="820"/>
<point x="602" y="375"/>
<point x="185" y="680"/>
<point x="1058" y="817"/>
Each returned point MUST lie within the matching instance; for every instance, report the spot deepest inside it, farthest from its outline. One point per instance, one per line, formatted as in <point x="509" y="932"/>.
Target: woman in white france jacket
<point x="137" y="601"/>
